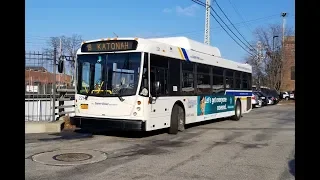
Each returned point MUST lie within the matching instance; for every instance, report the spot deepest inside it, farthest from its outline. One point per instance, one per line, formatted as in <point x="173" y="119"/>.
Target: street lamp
<point x="283" y="14"/>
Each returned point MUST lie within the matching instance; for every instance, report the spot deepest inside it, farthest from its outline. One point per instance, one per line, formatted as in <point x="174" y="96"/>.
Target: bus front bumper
<point x="108" y="124"/>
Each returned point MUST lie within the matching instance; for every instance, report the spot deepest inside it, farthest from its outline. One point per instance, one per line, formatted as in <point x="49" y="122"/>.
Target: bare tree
<point x="267" y="67"/>
<point x="72" y="44"/>
<point x="69" y="46"/>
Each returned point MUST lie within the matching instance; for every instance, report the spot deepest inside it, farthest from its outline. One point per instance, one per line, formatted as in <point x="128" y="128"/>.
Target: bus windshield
<point x="115" y="74"/>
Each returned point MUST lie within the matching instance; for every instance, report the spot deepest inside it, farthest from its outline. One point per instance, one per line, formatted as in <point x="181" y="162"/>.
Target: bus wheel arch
<point x="178" y="118"/>
<point x="238" y="110"/>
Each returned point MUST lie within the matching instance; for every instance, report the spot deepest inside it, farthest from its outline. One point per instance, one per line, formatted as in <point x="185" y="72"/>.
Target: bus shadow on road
<point x="138" y="134"/>
<point x="124" y="134"/>
<point x="203" y="123"/>
<point x="67" y="135"/>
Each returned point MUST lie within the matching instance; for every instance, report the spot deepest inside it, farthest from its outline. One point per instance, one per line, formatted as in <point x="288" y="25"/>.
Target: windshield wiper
<point x="119" y="96"/>
<point x="88" y="93"/>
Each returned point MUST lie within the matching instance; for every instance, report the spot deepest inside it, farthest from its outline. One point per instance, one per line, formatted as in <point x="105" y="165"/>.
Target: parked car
<point x="256" y="101"/>
<point x="291" y="95"/>
<point x="263" y="98"/>
<point x="270" y="100"/>
<point x="269" y="97"/>
<point x="272" y="95"/>
<point x="275" y="95"/>
<point x="285" y="95"/>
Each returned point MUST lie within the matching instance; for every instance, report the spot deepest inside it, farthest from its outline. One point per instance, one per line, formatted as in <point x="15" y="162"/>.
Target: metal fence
<point x="48" y="94"/>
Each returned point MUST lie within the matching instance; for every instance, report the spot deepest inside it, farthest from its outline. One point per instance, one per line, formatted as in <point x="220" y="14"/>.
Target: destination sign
<point x="108" y="46"/>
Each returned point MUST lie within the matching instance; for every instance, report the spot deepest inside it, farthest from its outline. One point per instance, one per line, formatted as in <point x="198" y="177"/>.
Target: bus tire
<point x="177" y="119"/>
<point x="238" y="111"/>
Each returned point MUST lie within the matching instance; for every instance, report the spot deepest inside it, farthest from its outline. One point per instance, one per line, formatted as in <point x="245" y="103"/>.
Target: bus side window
<point x="238" y="77"/>
<point x="217" y="81"/>
<point x="229" y="79"/>
<point x="152" y="81"/>
<point x="159" y="73"/>
<point x="245" y="84"/>
<point x="188" y="79"/>
<point x="203" y="79"/>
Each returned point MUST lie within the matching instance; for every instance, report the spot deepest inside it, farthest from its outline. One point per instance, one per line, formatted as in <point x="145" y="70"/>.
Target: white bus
<point x="148" y="84"/>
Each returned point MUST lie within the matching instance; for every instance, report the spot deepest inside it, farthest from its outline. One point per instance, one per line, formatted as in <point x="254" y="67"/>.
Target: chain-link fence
<point x="41" y="84"/>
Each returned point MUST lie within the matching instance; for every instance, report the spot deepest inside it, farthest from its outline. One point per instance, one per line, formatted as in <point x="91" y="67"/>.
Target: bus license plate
<point x="84" y="106"/>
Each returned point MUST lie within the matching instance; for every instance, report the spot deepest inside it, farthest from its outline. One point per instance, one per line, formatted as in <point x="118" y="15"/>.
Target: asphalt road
<point x="259" y="146"/>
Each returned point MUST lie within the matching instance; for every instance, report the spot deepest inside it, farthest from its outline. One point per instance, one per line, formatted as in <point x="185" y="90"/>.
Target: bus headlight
<point x="134" y="113"/>
<point x="138" y="108"/>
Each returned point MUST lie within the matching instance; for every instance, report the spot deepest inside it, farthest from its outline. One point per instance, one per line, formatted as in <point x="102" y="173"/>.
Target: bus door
<point x="159" y="90"/>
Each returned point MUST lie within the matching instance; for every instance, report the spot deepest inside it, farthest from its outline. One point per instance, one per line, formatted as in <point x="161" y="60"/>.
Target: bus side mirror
<point x="60" y="66"/>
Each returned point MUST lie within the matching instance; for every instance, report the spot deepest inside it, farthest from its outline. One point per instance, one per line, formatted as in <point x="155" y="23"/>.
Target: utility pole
<point x="60" y="48"/>
<point x="54" y="85"/>
<point x="259" y="59"/>
<point x="60" y="56"/>
<point x="207" y="23"/>
<point x="284" y="14"/>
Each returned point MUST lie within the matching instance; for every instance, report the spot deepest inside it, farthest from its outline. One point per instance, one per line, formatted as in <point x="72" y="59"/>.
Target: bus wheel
<point x="237" y="110"/>
<point x="177" y="119"/>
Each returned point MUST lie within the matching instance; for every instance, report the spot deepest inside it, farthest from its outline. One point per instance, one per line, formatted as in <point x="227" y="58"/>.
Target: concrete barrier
<point x="43" y="127"/>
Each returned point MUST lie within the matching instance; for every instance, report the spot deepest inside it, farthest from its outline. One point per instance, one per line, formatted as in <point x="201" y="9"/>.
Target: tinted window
<point x="229" y="79"/>
<point x="187" y="78"/>
<point x="203" y="79"/>
<point x="237" y="75"/>
<point x="203" y="69"/>
<point x="159" y="72"/>
<point x="217" y="80"/>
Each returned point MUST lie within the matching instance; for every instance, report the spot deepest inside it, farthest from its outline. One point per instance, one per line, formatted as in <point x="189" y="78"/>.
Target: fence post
<point x="61" y="103"/>
<point x="54" y="85"/>
<point x="39" y="110"/>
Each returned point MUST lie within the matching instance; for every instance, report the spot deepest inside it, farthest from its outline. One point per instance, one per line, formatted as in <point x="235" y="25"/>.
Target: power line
<point x="232" y="24"/>
<point x="44" y="38"/>
<point x="217" y="27"/>
<point x="239" y="14"/>
<point x="202" y="4"/>
<point x="229" y="28"/>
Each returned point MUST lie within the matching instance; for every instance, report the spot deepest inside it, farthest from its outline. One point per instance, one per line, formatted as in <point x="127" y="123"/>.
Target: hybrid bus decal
<point x="214" y="104"/>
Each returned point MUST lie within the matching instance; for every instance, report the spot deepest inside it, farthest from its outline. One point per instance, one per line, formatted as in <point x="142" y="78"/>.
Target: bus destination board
<point x="109" y="46"/>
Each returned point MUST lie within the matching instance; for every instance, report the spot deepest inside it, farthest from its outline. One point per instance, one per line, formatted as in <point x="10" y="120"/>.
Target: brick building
<point x="40" y="77"/>
<point x="288" y="70"/>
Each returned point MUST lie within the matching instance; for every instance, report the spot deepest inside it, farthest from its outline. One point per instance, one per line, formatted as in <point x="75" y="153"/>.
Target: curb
<point x="43" y="127"/>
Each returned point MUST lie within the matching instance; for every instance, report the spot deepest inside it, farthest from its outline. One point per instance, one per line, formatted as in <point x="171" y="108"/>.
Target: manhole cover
<point x="69" y="157"/>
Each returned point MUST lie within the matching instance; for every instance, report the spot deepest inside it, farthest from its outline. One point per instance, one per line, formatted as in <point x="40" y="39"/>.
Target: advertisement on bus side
<point x="214" y="104"/>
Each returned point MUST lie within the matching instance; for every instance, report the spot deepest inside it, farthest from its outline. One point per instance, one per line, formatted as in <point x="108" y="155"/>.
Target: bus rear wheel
<point x="177" y="120"/>
<point x="238" y="111"/>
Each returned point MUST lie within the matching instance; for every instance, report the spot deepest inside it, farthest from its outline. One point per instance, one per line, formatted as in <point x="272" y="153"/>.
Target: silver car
<point x="255" y="101"/>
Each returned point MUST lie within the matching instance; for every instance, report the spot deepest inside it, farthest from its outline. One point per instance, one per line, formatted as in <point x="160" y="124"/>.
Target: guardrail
<point x="39" y="107"/>
<point x="62" y="98"/>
